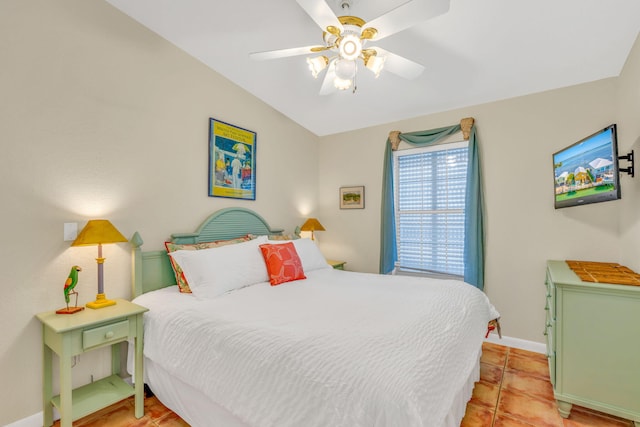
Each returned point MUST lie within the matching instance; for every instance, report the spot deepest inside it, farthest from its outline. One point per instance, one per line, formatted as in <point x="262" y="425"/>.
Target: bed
<point x="334" y="348"/>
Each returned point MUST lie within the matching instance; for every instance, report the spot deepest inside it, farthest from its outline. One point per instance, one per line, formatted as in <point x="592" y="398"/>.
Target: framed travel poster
<point x="352" y="197"/>
<point x="232" y="161"/>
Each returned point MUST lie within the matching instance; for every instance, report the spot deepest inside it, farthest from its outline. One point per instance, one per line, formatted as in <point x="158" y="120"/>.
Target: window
<point x="430" y="186"/>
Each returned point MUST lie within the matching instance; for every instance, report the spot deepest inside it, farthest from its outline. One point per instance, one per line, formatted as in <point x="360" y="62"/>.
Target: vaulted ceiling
<point x="477" y="52"/>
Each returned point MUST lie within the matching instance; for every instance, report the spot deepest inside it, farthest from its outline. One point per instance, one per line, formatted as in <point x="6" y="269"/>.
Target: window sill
<point x="398" y="271"/>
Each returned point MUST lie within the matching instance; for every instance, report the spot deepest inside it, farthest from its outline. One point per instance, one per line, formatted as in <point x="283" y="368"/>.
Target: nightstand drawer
<point x="105" y="334"/>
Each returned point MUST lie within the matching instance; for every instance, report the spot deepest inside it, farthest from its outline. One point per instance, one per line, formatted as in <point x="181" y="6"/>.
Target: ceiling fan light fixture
<point x="341" y="84"/>
<point x="329" y="39"/>
<point x="346" y="37"/>
<point x="350" y="47"/>
<point x="375" y="64"/>
<point x="345" y="69"/>
<point x="317" y="64"/>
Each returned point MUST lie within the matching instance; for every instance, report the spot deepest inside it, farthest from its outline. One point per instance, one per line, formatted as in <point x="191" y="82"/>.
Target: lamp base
<point x="100" y="302"/>
<point x="69" y="310"/>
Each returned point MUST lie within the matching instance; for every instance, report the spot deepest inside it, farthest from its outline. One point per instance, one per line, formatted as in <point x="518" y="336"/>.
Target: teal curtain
<point x="388" y="253"/>
<point x="474" y="218"/>
<point x="474" y="222"/>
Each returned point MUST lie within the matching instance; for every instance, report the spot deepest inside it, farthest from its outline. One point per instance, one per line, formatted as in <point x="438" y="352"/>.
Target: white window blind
<point x="430" y="197"/>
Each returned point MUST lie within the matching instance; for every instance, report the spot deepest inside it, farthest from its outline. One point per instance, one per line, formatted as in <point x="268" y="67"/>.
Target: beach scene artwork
<point x="585" y="169"/>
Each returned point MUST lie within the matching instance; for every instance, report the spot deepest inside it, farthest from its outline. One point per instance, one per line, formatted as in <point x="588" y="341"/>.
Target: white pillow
<point x="309" y="253"/>
<point x="212" y="272"/>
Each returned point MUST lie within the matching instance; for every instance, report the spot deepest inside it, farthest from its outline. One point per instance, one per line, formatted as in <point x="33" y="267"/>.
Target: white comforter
<point x="337" y="349"/>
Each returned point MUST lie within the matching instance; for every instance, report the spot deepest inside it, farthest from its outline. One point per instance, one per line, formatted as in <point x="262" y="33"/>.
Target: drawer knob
<point x="109" y="335"/>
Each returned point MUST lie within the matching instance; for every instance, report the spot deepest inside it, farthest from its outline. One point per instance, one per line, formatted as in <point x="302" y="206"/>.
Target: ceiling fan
<point x="345" y="37"/>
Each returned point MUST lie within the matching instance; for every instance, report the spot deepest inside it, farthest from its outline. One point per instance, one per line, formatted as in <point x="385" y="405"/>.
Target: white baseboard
<point x="34" y="420"/>
<point x="537" y="347"/>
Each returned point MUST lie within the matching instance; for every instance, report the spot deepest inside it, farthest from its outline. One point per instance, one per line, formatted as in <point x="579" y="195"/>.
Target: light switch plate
<point x="70" y="231"/>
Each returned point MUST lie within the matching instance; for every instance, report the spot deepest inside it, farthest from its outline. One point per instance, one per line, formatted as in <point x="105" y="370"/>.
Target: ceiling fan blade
<point x="321" y="13"/>
<point x="407" y="15"/>
<point x="283" y="53"/>
<point x="327" y="83"/>
<point x="400" y="65"/>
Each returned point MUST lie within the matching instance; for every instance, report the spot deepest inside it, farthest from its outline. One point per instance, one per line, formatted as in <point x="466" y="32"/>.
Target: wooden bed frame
<point x="152" y="270"/>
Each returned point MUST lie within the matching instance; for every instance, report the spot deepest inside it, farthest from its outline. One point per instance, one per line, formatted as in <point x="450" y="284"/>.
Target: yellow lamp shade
<point x="312" y="224"/>
<point x="98" y="231"/>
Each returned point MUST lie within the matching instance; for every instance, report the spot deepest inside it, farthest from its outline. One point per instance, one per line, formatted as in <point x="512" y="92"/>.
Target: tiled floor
<point x="121" y="414"/>
<point x="513" y="391"/>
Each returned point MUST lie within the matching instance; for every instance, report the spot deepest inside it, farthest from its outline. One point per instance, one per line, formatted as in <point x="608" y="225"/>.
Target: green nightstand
<point x="69" y="335"/>
<point x="338" y="265"/>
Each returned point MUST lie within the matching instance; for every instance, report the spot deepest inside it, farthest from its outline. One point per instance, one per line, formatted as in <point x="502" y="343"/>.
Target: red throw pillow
<point x="283" y="263"/>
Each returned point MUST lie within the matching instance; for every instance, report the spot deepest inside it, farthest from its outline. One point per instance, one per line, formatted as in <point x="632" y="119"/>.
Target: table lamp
<point x="312" y="224"/>
<point x="99" y="232"/>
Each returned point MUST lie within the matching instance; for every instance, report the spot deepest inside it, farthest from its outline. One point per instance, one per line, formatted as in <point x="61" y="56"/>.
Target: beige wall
<point x="101" y="118"/>
<point x="628" y="112"/>
<point x="523" y="230"/>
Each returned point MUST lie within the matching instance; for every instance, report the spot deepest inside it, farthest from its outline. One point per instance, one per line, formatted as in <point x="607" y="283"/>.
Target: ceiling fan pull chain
<point x="355" y="86"/>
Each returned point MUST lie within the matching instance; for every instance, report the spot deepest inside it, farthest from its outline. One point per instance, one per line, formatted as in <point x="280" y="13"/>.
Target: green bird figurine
<point x="70" y="285"/>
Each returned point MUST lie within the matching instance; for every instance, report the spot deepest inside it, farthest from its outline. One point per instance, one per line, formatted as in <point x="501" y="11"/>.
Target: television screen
<point x="587" y="171"/>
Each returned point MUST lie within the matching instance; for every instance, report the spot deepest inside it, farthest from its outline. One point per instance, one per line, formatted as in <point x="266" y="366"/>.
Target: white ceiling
<point x="479" y="51"/>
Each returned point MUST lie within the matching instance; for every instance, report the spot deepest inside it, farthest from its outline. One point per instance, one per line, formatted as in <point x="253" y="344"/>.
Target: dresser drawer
<point x="549" y="332"/>
<point x="552" y="367"/>
<point x="105" y="334"/>
<point x="551" y="297"/>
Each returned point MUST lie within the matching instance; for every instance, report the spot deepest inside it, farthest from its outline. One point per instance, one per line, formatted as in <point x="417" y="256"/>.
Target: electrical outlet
<point x="70" y="231"/>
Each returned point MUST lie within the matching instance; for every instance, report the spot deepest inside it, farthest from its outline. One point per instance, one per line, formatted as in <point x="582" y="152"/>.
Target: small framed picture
<point x="352" y="197"/>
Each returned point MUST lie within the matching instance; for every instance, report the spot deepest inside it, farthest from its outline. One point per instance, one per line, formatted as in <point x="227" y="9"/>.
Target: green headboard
<point x="152" y="270"/>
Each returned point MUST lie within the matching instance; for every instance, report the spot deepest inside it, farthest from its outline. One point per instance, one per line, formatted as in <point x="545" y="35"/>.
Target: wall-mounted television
<point x="587" y="171"/>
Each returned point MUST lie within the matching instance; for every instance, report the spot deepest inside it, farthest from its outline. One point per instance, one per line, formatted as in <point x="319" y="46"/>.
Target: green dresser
<point x="593" y="343"/>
